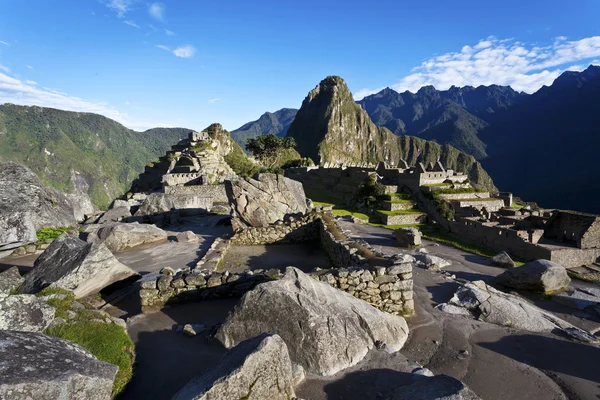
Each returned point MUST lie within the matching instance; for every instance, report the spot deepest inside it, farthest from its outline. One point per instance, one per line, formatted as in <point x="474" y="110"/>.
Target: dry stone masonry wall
<point x="383" y="281"/>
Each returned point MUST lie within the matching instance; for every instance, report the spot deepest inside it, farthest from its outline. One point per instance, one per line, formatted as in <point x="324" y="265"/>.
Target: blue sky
<point x="191" y="63"/>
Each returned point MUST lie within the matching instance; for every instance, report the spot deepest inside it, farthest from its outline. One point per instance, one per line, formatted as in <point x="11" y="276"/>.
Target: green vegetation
<point x="437" y="184"/>
<point x="298" y="162"/>
<point x="517" y="205"/>
<point x="270" y="150"/>
<point x="108" y="342"/>
<point x="393" y="196"/>
<point x="103" y="152"/>
<point x="52" y="233"/>
<point x="459" y="191"/>
<point x="370" y="192"/>
<point x="201" y="146"/>
<point x="343" y="213"/>
<point x="400" y="201"/>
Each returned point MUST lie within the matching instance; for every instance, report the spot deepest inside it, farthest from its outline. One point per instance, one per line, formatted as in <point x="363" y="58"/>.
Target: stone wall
<point x="180" y="179"/>
<point x="492" y="205"/>
<point x="458" y="196"/>
<point x="402" y="219"/>
<point x="384" y="282"/>
<point x="217" y="192"/>
<point x="573" y="257"/>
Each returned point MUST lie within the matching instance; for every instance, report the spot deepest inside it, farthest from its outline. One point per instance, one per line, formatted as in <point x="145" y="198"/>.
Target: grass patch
<point x="517" y="205"/>
<point x="400" y="201"/>
<point x="342" y="213"/>
<point x="437" y="184"/>
<point x="397" y="196"/>
<point x="52" y="233"/>
<point x="394" y="227"/>
<point x="459" y="191"/>
<point x="108" y="342"/>
<point x="322" y="197"/>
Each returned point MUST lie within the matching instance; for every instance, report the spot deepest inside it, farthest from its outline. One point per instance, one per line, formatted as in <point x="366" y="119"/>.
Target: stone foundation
<point x="217" y="192"/>
<point x="383" y="281"/>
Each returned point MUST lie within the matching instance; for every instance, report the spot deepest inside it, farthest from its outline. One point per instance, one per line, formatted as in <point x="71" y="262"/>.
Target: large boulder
<point x="72" y="264"/>
<point x="263" y="201"/>
<point x="25" y="312"/>
<point x="441" y="387"/>
<point x="408" y="237"/>
<point x="503" y="260"/>
<point x="539" y="275"/>
<point x="185" y="203"/>
<point x="26" y="205"/>
<point x="256" y="369"/>
<point x="41" y="367"/>
<point x="431" y="262"/>
<point x="121" y="236"/>
<point x="326" y="330"/>
<point x="496" y="307"/>
<point x="116" y="214"/>
<point x="10" y="280"/>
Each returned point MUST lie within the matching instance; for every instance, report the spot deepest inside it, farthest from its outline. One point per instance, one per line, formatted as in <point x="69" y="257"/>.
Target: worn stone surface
<point x="539" y="275"/>
<point x="25" y="312"/>
<point x="580" y="298"/>
<point x="27" y="205"/>
<point x="72" y="264"/>
<point x="114" y="215"/>
<point x="326" y="330"/>
<point x="496" y="307"/>
<point x="121" y="236"/>
<point x="502" y="260"/>
<point x="10" y="279"/>
<point x="41" y="367"/>
<point x="186" y="203"/>
<point x="187" y="236"/>
<point x="432" y="262"/>
<point x="263" y="201"/>
<point x="441" y="387"/>
<point x="256" y="369"/>
<point x="408" y="237"/>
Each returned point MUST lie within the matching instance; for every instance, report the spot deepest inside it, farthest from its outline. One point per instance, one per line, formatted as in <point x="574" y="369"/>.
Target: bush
<point x="52" y="233"/>
<point x="445" y="210"/>
<point x="301" y="162"/>
<point x="370" y="192"/>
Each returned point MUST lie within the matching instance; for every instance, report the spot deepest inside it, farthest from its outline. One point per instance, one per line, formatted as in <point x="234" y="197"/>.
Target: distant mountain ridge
<point x="276" y="123"/>
<point x="83" y="151"/>
<point x="331" y="128"/>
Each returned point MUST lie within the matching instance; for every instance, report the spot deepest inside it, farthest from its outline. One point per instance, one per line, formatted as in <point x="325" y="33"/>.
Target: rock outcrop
<point x="491" y="305"/>
<point x="26" y="205"/>
<point x="119" y="237"/>
<point x="326" y="330"/>
<point x="256" y="369"/>
<point x="441" y="387"/>
<point x="331" y="128"/>
<point x="263" y="201"/>
<point x="25" y="312"/>
<point x="431" y="262"/>
<point x="10" y="279"/>
<point x="502" y="260"/>
<point x="408" y="237"/>
<point x="539" y="275"/>
<point x="41" y="367"/>
<point x="185" y="203"/>
<point x="72" y="264"/>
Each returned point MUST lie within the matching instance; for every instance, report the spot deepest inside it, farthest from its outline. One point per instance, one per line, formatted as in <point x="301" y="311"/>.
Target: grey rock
<point x="187" y="236"/>
<point x="41" y="367"/>
<point x="539" y="275"/>
<point x="187" y="204"/>
<point x="189" y="330"/>
<point x="25" y="312"/>
<point x="326" y="330"/>
<point x="119" y="321"/>
<point x="27" y="205"/>
<point x="579" y="298"/>
<point x="120" y="236"/>
<point x="10" y="279"/>
<point x="72" y="264"/>
<point x="433" y="263"/>
<point x="441" y="387"/>
<point x="505" y="309"/>
<point x="123" y="203"/>
<point x="263" y="201"/>
<point x="408" y="237"/>
<point x="453" y="309"/>
<point x="502" y="260"/>
<point x="256" y="369"/>
<point x="114" y="215"/>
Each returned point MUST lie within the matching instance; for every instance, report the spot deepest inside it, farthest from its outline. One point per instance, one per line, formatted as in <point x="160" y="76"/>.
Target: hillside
<point x="331" y="127"/>
<point x="88" y="151"/>
<point x="276" y="123"/>
<point x="455" y="116"/>
<point x="545" y="150"/>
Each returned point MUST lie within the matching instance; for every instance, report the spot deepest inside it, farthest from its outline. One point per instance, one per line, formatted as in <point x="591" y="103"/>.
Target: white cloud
<point x="15" y="91"/>
<point x="29" y="66"/>
<point x="169" y="33"/>
<point x="32" y="83"/>
<point x="157" y="11"/>
<point x="4" y="68"/>
<point x="212" y="101"/>
<point x="131" y="23"/>
<point x="121" y="7"/>
<point x="523" y="66"/>
<point x="186" y="51"/>
<point x="4" y="43"/>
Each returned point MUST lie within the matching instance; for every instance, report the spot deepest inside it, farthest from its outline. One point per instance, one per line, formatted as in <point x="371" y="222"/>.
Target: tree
<point x="270" y="149"/>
